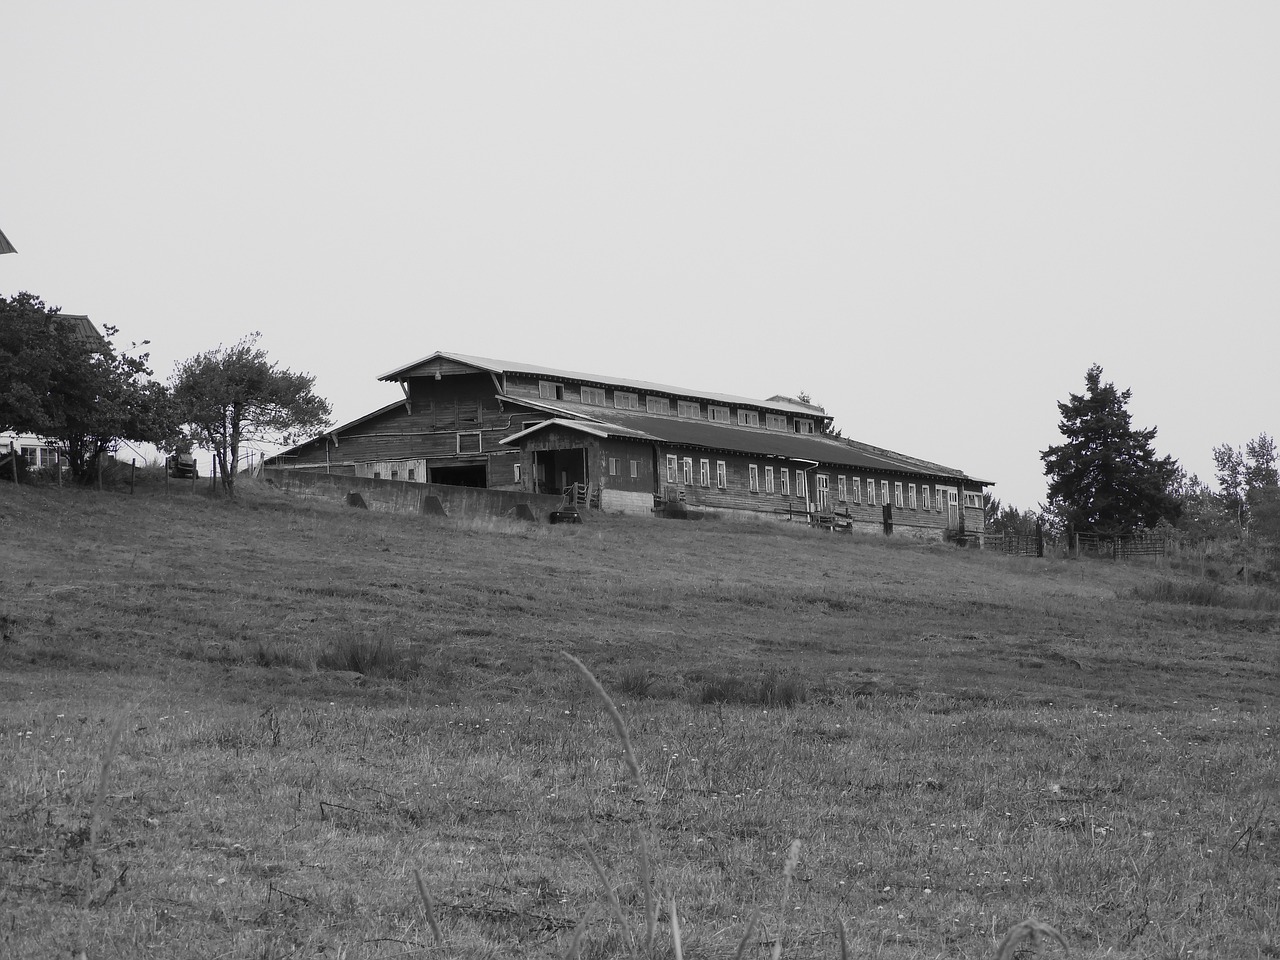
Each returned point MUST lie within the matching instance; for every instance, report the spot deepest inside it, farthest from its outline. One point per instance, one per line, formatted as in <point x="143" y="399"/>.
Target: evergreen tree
<point x="1106" y="477"/>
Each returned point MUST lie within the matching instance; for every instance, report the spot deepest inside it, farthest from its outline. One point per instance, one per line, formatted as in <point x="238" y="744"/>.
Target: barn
<point x="632" y="446"/>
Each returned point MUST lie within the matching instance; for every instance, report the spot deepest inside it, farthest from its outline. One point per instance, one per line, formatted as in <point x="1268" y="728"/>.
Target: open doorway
<point x="460" y="475"/>
<point x="554" y="471"/>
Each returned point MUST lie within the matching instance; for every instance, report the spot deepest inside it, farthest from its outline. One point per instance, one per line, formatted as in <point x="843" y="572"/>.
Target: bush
<point x="1202" y="593"/>
<point x="772" y="691"/>
<point x="372" y="659"/>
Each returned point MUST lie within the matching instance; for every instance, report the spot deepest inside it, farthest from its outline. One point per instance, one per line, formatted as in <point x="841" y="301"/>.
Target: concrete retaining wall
<point x="399" y="496"/>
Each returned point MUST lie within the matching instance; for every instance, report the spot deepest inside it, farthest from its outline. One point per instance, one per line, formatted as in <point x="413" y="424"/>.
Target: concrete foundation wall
<point x="397" y="496"/>
<point x="626" y="501"/>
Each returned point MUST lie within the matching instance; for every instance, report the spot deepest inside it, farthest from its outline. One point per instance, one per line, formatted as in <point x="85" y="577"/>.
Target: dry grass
<point x="983" y="740"/>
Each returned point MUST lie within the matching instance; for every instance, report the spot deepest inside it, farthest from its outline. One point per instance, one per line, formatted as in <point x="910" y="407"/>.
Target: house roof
<point x="781" y="404"/>
<point x="82" y="326"/>
<point x="806" y="448"/>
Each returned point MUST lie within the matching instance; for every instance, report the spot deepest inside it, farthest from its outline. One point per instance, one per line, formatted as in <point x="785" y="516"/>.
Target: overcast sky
<point x="932" y="217"/>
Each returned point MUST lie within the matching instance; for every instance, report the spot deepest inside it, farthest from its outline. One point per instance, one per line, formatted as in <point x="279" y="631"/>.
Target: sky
<point x="931" y="217"/>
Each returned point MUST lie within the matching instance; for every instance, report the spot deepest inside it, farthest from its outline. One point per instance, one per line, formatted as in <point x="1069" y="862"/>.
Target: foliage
<point x="1202" y="513"/>
<point x="79" y="391"/>
<point x="1106" y="477"/>
<point x="35" y="342"/>
<point x="827" y="427"/>
<point x="232" y="394"/>
<point x="1244" y="475"/>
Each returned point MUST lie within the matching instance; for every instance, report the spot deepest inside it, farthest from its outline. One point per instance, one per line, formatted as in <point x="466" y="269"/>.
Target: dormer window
<point x="549" y="390"/>
<point x="748" y="418"/>
<point x="804" y="426"/>
<point x="718" y="414"/>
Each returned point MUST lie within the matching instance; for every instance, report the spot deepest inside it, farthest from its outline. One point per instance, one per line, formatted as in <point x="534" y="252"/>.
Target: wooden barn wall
<point x="626" y="452"/>
<point x="737" y="493"/>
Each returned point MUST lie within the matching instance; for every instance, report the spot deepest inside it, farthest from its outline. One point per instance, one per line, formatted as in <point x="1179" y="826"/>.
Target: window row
<point x="848" y="489"/>
<point x="688" y="409"/>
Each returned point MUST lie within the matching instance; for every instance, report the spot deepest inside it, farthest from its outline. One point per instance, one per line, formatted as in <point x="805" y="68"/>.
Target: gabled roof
<point x="588" y="427"/>
<point x="489" y="365"/>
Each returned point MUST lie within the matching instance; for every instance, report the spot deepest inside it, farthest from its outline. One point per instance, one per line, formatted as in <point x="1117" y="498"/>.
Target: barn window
<point x="884" y="491"/>
<point x="855" y="489"/>
<point x="785" y="478"/>
<point x="594" y="396"/>
<point x="768" y="479"/>
<point x="413" y="472"/>
<point x="748" y="418"/>
<point x="804" y="426"/>
<point x="753" y="478"/>
<point x="626" y="401"/>
<point x="671" y="468"/>
<point x="802" y="485"/>
<point x="469" y="442"/>
<point x="911" y="496"/>
<point x="517" y="472"/>
<point x="924" y="496"/>
<point x="613" y="466"/>
<point x="658" y="405"/>
<point x="395" y="474"/>
<point x="688" y="471"/>
<point x="635" y="469"/>
<point x="774" y="421"/>
<point x="842" y="491"/>
<point x="549" y="390"/>
<point x="689" y="409"/>
<point x="871" y="493"/>
<point x="718" y="414"/>
<point x="704" y="473"/>
<point x="377" y="474"/>
<point x="897" y="495"/>
<point x="722" y="477"/>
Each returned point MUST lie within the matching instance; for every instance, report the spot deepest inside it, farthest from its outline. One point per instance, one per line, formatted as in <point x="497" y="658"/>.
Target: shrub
<point x="1202" y="593"/>
<point x="372" y="659"/>
<point x="771" y="691"/>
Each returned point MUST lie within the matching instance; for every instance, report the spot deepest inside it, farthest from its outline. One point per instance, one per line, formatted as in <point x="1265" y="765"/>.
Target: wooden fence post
<point x="13" y="461"/>
<point x="133" y="473"/>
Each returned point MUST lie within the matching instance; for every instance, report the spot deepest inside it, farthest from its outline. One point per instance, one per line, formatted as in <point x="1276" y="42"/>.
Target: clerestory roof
<point x="779" y="403"/>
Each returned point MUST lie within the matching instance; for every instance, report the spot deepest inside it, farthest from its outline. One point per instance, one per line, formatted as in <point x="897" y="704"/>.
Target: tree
<point x="36" y="345"/>
<point x="75" y="388"/>
<point x="827" y="427"/>
<point x="1244" y="475"/>
<point x="1106" y="477"/>
<point x="232" y="394"/>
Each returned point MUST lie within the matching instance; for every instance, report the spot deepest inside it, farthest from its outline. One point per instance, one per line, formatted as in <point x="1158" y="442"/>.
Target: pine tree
<point x="1106" y="477"/>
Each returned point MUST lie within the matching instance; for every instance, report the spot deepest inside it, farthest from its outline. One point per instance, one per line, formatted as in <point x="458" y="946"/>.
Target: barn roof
<point x="779" y="403"/>
<point x="808" y="448"/>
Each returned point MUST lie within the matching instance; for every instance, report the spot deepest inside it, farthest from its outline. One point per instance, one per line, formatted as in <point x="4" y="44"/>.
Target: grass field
<point x="310" y="703"/>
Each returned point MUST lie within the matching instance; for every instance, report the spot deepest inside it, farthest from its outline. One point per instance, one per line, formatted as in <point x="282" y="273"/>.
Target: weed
<point x="1200" y="593"/>
<point x="767" y="691"/>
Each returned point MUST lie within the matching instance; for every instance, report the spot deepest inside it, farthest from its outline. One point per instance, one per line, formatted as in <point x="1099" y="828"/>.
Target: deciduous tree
<point x="75" y="389"/>
<point x="232" y="394"/>
<point x="1106" y="477"/>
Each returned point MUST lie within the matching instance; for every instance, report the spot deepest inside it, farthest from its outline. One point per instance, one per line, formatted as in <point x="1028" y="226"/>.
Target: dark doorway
<point x="467" y="475"/>
<point x="554" y="471"/>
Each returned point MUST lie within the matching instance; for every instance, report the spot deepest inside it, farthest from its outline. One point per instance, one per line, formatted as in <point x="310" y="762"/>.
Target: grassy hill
<point x="313" y="702"/>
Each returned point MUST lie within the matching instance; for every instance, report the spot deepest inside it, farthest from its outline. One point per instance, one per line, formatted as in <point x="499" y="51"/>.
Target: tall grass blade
<point x="788" y="871"/>
<point x="675" y="931"/>
<point x="844" y="941"/>
<point x="619" y="725"/>
<point x="97" y="823"/>
<point x="650" y="897"/>
<point x="580" y="931"/>
<point x="614" y="906"/>
<point x="747" y="934"/>
<point x="428" y="905"/>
